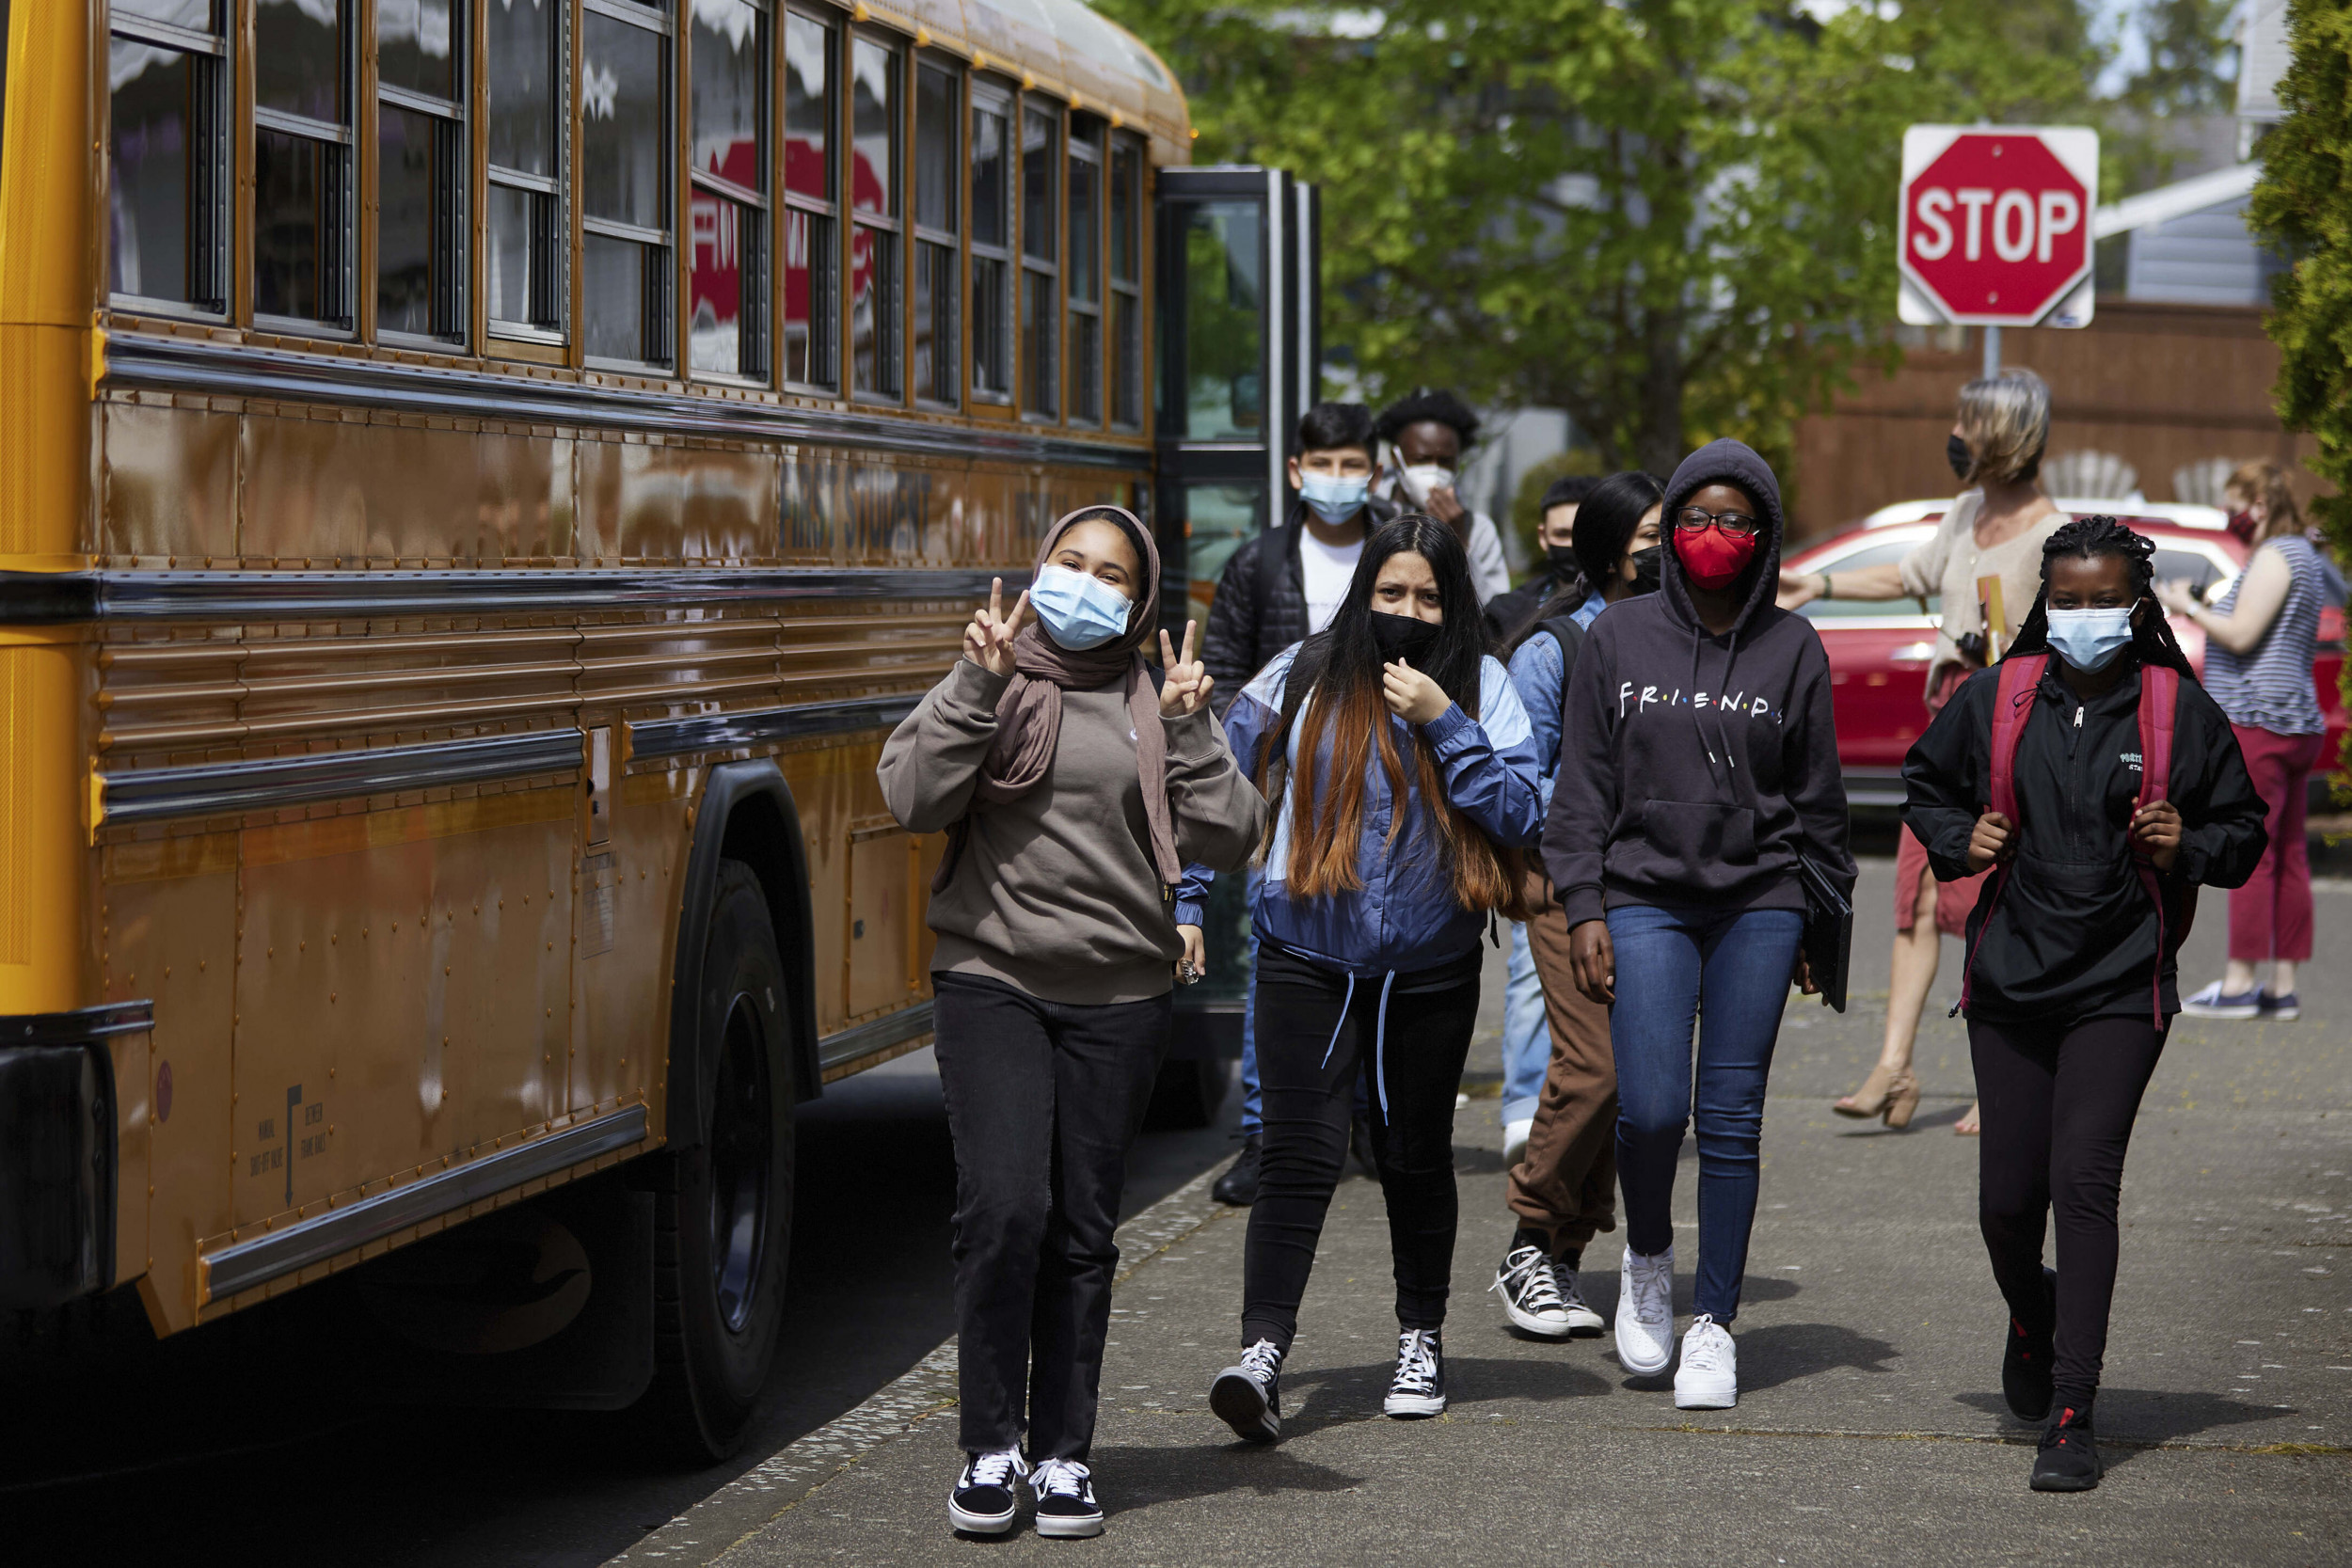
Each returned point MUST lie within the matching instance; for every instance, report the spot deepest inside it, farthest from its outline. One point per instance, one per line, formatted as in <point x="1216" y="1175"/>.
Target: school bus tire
<point x="723" y="1202"/>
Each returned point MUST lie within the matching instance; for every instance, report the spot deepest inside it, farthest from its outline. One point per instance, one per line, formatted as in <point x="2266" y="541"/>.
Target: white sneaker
<point x="1515" y="1136"/>
<point x="1709" y="1378"/>
<point x="1645" y="1313"/>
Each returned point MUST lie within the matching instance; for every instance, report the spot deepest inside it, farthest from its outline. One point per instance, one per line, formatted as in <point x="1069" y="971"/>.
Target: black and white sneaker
<point x="983" y="1501"/>
<point x="1248" y="1396"/>
<point x="1582" y="1320"/>
<point x="1418" y="1390"/>
<point x="1530" y="1295"/>
<point x="1066" y="1507"/>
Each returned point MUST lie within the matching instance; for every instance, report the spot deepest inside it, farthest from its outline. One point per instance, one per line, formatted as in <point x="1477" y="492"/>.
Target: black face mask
<point x="1406" y="636"/>
<point x="1646" y="565"/>
<point x="1956" y="452"/>
<point x="1563" y="559"/>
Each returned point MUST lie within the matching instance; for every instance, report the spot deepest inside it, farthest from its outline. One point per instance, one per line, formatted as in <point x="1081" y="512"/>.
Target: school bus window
<point x="166" y="154"/>
<point x="938" y="174"/>
<point x="1084" y="275"/>
<point x="1040" y="389"/>
<point x="1127" y="282"/>
<point x="991" y="244"/>
<point x="420" y="177"/>
<point x="727" y="208"/>
<point x="623" y="200"/>
<point x="302" y="179"/>
<point x="525" y="272"/>
<point x="812" y="250"/>
<point x="874" y="296"/>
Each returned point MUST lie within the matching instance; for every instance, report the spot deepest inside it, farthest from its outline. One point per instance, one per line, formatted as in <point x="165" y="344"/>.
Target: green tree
<point x="1672" y="218"/>
<point x="2303" y="206"/>
<point x="2192" y="55"/>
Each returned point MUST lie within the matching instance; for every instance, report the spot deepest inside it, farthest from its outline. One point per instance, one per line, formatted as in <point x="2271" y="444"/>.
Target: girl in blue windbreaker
<point x="1403" y="773"/>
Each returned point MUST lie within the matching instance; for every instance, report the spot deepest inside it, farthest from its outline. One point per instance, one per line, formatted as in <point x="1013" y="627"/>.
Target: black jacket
<point x="1261" y="604"/>
<point x="1695" y="768"/>
<point x="2074" y="935"/>
<point x="1508" y="611"/>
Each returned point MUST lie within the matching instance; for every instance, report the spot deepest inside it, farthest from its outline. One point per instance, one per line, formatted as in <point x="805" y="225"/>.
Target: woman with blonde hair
<point x="2260" y="637"/>
<point x="1995" y="527"/>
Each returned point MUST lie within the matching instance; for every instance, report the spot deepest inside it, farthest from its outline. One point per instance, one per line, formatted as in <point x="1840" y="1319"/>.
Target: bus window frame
<point x="340" y="233"/>
<point x="1050" y="267"/>
<point x="219" y="202"/>
<point x="959" y="177"/>
<point x="999" y="99"/>
<point x="657" y="323"/>
<point x="760" y="222"/>
<point x="891" y="226"/>
<point x="453" y="227"/>
<point x="826" y="352"/>
<point x="1079" y="148"/>
<point x="1128" y="291"/>
<point x="556" y="273"/>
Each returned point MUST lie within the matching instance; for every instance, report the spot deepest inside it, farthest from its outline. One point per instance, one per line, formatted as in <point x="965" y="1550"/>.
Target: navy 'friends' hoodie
<point x="1694" y="768"/>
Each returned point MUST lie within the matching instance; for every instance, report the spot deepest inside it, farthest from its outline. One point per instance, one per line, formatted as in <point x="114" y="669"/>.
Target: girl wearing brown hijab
<point x="1072" y="794"/>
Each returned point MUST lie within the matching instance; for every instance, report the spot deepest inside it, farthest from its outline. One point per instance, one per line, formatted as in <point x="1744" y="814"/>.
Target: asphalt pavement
<point x="1870" y="1426"/>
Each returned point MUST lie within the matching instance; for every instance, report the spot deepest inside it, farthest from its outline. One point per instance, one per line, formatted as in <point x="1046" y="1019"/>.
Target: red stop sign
<point x="1996" y="224"/>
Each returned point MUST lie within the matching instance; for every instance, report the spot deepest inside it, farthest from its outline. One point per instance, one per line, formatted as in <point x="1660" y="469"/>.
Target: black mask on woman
<point x="1956" y="452"/>
<point x="1646" y="565"/>
<point x="1406" y="636"/>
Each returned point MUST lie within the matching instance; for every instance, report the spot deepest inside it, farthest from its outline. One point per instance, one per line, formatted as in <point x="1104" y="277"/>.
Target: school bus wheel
<point x="722" y="1204"/>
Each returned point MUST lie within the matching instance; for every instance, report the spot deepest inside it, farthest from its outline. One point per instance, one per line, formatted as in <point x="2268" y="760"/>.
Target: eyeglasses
<point x="1696" y="521"/>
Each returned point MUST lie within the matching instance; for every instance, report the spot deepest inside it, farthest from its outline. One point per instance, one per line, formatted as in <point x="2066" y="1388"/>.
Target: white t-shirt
<point x="1325" y="570"/>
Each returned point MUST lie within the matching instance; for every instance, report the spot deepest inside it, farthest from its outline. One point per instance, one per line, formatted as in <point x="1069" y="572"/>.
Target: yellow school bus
<point x="481" y="479"/>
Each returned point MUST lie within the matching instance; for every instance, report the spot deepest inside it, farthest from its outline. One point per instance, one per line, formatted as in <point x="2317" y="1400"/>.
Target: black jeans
<point x="2057" y="1101"/>
<point x="1318" y="1031"/>
<point x="1043" y="1100"/>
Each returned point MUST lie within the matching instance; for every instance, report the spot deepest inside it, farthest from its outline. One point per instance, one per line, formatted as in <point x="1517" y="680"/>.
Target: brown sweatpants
<point x="1566" y="1184"/>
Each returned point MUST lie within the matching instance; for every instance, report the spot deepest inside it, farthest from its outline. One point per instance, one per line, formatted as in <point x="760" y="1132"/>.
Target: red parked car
<point x="1878" y="653"/>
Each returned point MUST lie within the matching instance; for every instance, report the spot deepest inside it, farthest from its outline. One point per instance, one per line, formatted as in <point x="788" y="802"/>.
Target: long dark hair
<point x="1605" y="523"/>
<point x="2093" y="538"/>
<point x="1334" y="694"/>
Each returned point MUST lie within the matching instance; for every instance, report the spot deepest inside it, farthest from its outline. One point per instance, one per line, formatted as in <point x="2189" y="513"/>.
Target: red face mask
<point x="1712" y="557"/>
<point x="2242" y="527"/>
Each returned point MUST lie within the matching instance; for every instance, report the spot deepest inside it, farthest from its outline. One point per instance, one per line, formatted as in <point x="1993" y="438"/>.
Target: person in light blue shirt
<point x="1562" y="1187"/>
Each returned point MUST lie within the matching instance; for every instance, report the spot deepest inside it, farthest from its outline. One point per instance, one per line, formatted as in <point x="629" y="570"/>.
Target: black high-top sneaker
<point x="1248" y="1396"/>
<point x="1418" y="1390"/>
<point x="2026" y="1362"/>
<point x="2069" y="1460"/>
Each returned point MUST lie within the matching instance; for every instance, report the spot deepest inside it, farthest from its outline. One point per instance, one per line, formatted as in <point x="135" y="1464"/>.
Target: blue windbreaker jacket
<point x="1405" y="917"/>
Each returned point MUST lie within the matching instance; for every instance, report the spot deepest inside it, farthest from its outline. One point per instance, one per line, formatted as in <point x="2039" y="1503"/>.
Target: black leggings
<point x="1405" y="1034"/>
<point x="2057" y="1102"/>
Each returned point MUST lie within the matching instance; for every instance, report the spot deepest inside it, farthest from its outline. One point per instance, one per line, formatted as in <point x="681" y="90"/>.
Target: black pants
<point x="1043" y="1100"/>
<point x="1318" y="1031"/>
<point x="2057" y="1101"/>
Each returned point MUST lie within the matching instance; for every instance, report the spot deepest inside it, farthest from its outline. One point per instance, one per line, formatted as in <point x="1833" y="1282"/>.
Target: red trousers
<point x="2270" y="917"/>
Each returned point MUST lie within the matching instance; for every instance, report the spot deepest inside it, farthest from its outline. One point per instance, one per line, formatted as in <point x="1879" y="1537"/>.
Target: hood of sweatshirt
<point x="1724" y="462"/>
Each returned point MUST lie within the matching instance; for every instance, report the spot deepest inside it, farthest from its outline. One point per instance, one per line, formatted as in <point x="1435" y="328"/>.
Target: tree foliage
<point x="2303" y="206"/>
<point x="1673" y="218"/>
<point x="2191" y="47"/>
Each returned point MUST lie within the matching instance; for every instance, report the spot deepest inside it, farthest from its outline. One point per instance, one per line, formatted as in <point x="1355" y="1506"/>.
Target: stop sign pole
<point x="1993" y="229"/>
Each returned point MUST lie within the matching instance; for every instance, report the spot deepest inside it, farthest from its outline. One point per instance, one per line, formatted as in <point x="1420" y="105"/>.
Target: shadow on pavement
<point x="1339" y="1396"/>
<point x="1141" y="1478"/>
<point x="1783" y="1353"/>
<point x="2134" y="1418"/>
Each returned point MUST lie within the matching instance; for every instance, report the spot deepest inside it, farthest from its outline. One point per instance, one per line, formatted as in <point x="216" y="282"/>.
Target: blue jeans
<point x="1526" y="1033"/>
<point x="1738" y="963"/>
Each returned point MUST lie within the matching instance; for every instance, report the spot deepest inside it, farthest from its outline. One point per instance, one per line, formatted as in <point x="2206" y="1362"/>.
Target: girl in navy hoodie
<point x="1698" y="763"/>
<point x="1402" y="777"/>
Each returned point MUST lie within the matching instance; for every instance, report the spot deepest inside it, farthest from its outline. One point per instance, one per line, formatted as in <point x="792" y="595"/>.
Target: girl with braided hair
<point x="2071" y="984"/>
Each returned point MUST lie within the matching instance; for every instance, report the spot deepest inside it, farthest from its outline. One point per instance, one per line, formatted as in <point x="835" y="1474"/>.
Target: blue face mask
<point x="2090" y="638"/>
<point x="1077" y="611"/>
<point x="1335" y="501"/>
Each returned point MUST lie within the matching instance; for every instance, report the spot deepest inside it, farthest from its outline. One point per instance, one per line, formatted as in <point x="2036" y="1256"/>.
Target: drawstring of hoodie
<point x="1379" y="1037"/>
<point x="1723" y="736"/>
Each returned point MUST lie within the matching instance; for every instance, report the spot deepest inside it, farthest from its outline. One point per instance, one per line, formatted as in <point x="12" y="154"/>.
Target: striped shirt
<point x="2270" y="688"/>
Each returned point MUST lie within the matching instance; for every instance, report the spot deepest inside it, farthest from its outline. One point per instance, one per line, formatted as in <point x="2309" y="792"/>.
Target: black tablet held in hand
<point x="1828" y="932"/>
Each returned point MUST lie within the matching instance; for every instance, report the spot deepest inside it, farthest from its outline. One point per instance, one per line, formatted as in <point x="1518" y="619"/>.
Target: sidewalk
<point x="1870" y="1426"/>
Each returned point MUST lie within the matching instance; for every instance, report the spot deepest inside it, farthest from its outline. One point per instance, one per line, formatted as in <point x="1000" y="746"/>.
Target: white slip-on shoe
<point x="983" y="1502"/>
<point x="2212" y="1002"/>
<point x="1645" y="1313"/>
<point x="1709" y="1378"/>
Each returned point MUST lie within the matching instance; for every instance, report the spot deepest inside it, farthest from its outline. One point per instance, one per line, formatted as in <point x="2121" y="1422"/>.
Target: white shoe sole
<point x="2205" y="1009"/>
<point x="2284" y="1015"/>
<point x="1068" y="1526"/>
<point x="1548" y="1328"/>
<point x="1711" y="1392"/>
<point x="1585" y="1321"/>
<point x="1412" y="1407"/>
<point x="1641" y="1360"/>
<point x="982" y="1524"/>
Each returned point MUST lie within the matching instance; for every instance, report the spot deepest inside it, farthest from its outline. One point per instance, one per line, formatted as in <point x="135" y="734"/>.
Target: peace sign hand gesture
<point x="988" y="640"/>
<point x="1186" y="690"/>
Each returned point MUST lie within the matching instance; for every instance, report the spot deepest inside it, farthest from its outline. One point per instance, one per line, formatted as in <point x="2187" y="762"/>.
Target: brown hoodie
<point x="1056" y="891"/>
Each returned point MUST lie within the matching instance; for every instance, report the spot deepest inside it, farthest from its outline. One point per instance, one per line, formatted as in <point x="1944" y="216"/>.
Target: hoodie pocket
<point x="1681" y="839"/>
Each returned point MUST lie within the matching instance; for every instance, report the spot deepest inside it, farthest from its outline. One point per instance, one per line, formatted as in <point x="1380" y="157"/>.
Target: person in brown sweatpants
<point x="1564" y="1188"/>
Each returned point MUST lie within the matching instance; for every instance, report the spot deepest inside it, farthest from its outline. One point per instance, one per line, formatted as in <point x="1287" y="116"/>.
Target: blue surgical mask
<point x="1078" y="610"/>
<point x="2090" y="638"/>
<point x="1335" y="499"/>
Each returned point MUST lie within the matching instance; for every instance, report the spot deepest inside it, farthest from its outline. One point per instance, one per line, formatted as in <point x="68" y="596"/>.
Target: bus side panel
<point x="825" y="784"/>
<point x="167" y="922"/>
<point x="328" y="492"/>
<point x="628" y="929"/>
<point x="170" y="484"/>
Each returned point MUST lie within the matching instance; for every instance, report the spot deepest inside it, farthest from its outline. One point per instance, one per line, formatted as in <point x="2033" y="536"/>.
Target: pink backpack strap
<point x="2159" y="702"/>
<point x="2012" y="705"/>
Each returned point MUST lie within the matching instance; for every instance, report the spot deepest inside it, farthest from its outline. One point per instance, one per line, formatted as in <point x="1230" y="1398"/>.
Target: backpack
<point x="2013" y="705"/>
<point x="1570" y="636"/>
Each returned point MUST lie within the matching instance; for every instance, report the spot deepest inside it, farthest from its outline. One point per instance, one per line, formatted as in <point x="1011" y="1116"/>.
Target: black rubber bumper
<point x="57" y="1155"/>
